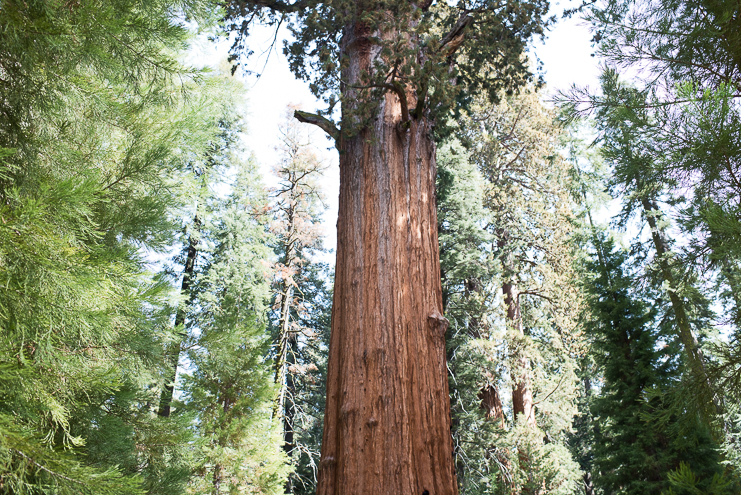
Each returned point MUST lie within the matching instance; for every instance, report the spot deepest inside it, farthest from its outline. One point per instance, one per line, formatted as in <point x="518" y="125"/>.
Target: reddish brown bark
<point x="387" y="419"/>
<point x="491" y="403"/>
<point x="522" y="392"/>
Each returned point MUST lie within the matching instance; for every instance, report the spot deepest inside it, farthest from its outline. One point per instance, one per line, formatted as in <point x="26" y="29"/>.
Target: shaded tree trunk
<point x="522" y="392"/>
<point x="387" y="418"/>
<point x="173" y="353"/>
<point x="587" y="477"/>
<point x="491" y="403"/>
<point x="588" y="484"/>
<point x="285" y="407"/>
<point x="692" y="350"/>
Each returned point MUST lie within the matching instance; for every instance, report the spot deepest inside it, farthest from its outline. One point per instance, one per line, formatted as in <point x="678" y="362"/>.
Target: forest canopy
<point x="529" y="296"/>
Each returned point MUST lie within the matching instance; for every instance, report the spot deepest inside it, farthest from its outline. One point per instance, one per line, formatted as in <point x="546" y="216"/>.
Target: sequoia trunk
<point x="522" y="391"/>
<point x="387" y="418"/>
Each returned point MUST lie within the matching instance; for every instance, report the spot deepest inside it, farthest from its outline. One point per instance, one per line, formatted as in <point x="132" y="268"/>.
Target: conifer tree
<point x="637" y="179"/>
<point x="99" y="129"/>
<point x="588" y="178"/>
<point x="297" y="205"/>
<point x="468" y="271"/>
<point x="522" y="262"/>
<point x="686" y="105"/>
<point x="395" y="68"/>
<point x="201" y="174"/>
<point x="230" y="388"/>
<point x="634" y="453"/>
<point x="530" y="206"/>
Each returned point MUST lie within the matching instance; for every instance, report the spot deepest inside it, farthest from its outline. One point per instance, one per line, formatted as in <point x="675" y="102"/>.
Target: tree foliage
<point x="505" y="225"/>
<point x="415" y="46"/>
<point x="100" y="124"/>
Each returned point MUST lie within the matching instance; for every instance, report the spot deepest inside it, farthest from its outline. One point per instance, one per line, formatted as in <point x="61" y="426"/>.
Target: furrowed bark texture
<point x="387" y="418"/>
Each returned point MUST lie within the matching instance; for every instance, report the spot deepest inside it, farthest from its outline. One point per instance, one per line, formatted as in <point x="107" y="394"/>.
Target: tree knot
<point x="438" y="324"/>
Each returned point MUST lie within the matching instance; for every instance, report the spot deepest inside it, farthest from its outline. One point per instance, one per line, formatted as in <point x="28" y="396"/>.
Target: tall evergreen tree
<point x="229" y="386"/>
<point x="200" y="176"/>
<point x="634" y="157"/>
<point x="519" y="311"/>
<point x="297" y="206"/>
<point x="634" y="453"/>
<point x="394" y="67"/>
<point x="96" y="114"/>
<point x="686" y="105"/>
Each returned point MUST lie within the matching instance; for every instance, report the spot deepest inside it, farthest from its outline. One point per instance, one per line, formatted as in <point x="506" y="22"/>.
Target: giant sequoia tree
<point x="395" y="67"/>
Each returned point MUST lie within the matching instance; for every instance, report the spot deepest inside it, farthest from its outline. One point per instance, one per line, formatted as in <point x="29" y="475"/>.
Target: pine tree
<point x="230" y="387"/>
<point x="634" y="453"/>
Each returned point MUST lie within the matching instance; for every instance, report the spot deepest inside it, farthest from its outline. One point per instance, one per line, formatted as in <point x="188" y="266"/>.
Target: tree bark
<point x="387" y="418"/>
<point x="692" y="349"/>
<point x="285" y="407"/>
<point x="522" y="392"/>
<point x="173" y="353"/>
<point x="491" y="403"/>
<point x="588" y="485"/>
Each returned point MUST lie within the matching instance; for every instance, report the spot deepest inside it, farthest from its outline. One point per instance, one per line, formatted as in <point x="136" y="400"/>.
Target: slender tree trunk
<point x="387" y="418"/>
<point x="284" y="409"/>
<point x="173" y="353"/>
<point x="692" y="350"/>
<point x="218" y="476"/>
<point x="289" y="411"/>
<point x="587" y="477"/>
<point x="284" y="350"/>
<point x="588" y="484"/>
